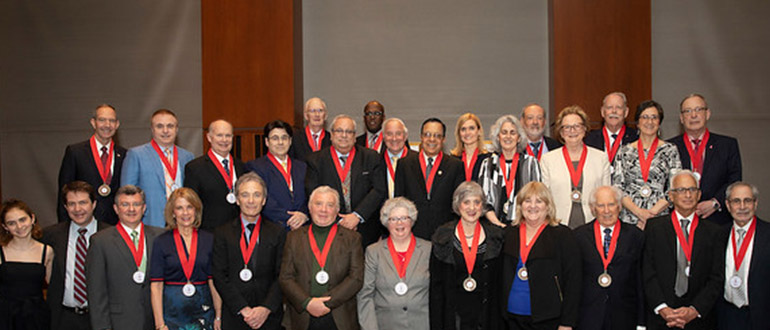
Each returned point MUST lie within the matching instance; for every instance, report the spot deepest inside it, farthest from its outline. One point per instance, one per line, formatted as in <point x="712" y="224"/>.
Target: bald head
<point x="220" y="136"/>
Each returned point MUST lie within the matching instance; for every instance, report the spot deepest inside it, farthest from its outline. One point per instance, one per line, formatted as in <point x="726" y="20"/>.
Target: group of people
<point x="608" y="229"/>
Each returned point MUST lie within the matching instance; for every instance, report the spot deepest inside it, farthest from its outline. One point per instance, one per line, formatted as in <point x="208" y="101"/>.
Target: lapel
<point x="710" y="152"/>
<point x="683" y="154"/>
<point x="385" y="252"/>
<point x="121" y="247"/>
<point x="356" y="168"/>
<point x="156" y="164"/>
<point x="276" y="173"/>
<point x="761" y="248"/>
<point x="214" y="171"/>
<point x="60" y="244"/>
<point x="669" y="237"/>
<point x="414" y="261"/>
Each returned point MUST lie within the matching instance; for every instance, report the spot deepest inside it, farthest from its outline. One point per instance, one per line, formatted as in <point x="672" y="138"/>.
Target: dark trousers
<point x="72" y="321"/>
<point x="325" y="322"/>
<point x="730" y="317"/>
<point x="523" y="322"/>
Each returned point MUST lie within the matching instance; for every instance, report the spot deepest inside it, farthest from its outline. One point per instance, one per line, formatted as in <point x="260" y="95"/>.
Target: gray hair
<point x="683" y="172"/>
<point x="729" y="190"/>
<point x="307" y="103"/>
<point x="618" y="195"/>
<point x="250" y="177"/>
<point x="338" y="117"/>
<point x="129" y="190"/>
<point x="394" y="203"/>
<point x="325" y="190"/>
<point x="622" y="96"/>
<point x="495" y="130"/>
<point x="406" y="130"/>
<point x="466" y="190"/>
<point x="691" y="95"/>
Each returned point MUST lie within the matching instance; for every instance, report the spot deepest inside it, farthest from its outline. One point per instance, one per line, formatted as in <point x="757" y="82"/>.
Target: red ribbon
<point x="432" y="174"/>
<point x="135" y="251"/>
<point x="686" y="245"/>
<point x="314" y="146"/>
<point x="390" y="164"/>
<point x="738" y="256"/>
<point x="469" y="169"/>
<point x="645" y="163"/>
<point x="611" y="151"/>
<point x="401" y="266"/>
<point x="171" y="169"/>
<point x="539" y="150"/>
<point x="247" y="251"/>
<point x="342" y="172"/>
<point x="524" y="248"/>
<point x="696" y="156"/>
<point x="286" y="173"/>
<point x="228" y="178"/>
<point x="469" y="253"/>
<point x="511" y="177"/>
<point x="600" y="245"/>
<point x="575" y="174"/>
<point x="104" y="171"/>
<point x="376" y="144"/>
<point x="187" y="263"/>
<point x="321" y="256"/>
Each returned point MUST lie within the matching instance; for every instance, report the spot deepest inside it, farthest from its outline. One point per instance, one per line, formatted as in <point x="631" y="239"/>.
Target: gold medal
<point x="523" y="274"/>
<point x="604" y="280"/>
<point x="104" y="190"/>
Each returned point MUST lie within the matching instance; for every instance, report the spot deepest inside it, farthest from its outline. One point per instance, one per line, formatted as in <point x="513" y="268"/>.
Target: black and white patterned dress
<point x="493" y="184"/>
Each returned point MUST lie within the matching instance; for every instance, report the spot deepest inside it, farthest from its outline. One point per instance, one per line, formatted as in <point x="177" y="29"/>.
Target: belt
<point x="76" y="310"/>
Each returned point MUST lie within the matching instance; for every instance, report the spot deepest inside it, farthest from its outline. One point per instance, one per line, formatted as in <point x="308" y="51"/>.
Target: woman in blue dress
<point x="183" y="293"/>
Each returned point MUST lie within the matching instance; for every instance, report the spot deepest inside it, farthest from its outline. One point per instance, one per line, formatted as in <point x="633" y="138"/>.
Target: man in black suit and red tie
<point x="429" y="179"/>
<point x="746" y="301"/>
<point x="374" y="114"/>
<point x="614" y="133"/>
<point x="314" y="136"/>
<point x="97" y="161"/>
<point x="533" y="120"/>
<point x="213" y="176"/>
<point x="715" y="158"/>
<point x="358" y="175"/>
<point x="683" y="262"/>
<point x="612" y="296"/>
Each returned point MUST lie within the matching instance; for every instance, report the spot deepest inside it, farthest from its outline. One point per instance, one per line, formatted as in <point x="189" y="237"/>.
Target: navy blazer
<point x="279" y="198"/>
<point x="722" y="166"/>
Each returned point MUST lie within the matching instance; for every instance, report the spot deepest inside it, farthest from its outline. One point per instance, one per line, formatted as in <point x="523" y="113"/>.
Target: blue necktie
<point x="607" y="239"/>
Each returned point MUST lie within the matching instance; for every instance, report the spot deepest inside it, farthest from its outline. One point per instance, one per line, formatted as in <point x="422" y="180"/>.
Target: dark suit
<point x="435" y="210"/>
<point x="659" y="264"/>
<point x="79" y="164"/>
<point x="202" y="175"/>
<point x="758" y="285"/>
<point x="595" y="138"/>
<point x="345" y="265"/>
<point x="721" y="167"/>
<point x="300" y="149"/>
<point x="114" y="299"/>
<point x="551" y="143"/>
<point x="57" y="236"/>
<point x="555" y="274"/>
<point x="368" y="187"/>
<point x="279" y="198"/>
<point x="621" y="305"/>
<point x="265" y="263"/>
<point x="361" y="141"/>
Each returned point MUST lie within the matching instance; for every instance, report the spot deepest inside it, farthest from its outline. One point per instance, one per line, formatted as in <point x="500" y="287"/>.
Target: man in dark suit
<point x="213" y="176"/>
<point x="714" y="157"/>
<point x="322" y="268"/>
<point x="614" y="133"/>
<point x="429" y="179"/>
<point x="683" y="265"/>
<point x="314" y="136"/>
<point x="612" y="295"/>
<point x="117" y="266"/>
<point x="250" y="293"/>
<point x="746" y="301"/>
<point x="97" y="161"/>
<point x="66" y="289"/>
<point x="396" y="137"/>
<point x="374" y="114"/>
<point x="533" y="120"/>
<point x="358" y="175"/>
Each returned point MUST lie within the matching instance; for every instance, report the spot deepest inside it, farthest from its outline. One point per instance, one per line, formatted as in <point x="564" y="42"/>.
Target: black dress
<point x="22" y="306"/>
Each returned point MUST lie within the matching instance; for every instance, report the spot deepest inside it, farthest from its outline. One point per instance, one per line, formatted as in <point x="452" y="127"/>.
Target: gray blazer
<point x="378" y="305"/>
<point x="115" y="301"/>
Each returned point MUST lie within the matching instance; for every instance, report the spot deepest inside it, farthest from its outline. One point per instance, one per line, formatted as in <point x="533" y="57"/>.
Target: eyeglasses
<point x="315" y="110"/>
<point x="683" y="190"/>
<point x="688" y="111"/>
<point x="373" y="114"/>
<point x="343" y="131"/>
<point x="429" y="135"/>
<point x="613" y="107"/>
<point x="399" y="219"/>
<point x="649" y="117"/>
<point x="276" y="138"/>
<point x="738" y="201"/>
<point x="574" y="128"/>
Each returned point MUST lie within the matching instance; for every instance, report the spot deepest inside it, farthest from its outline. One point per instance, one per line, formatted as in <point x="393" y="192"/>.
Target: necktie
<point x="104" y="158"/>
<point x="696" y="143"/>
<point x="315" y="139"/>
<point x="614" y="137"/>
<point x="536" y="148"/>
<point x="429" y="167"/>
<point x="227" y="168"/>
<point x="250" y="228"/>
<point x="607" y="239"/>
<point x="680" y="286"/>
<point x="391" y="184"/>
<point x="372" y="141"/>
<point x="79" y="291"/>
<point x="346" y="187"/>
<point x="741" y="233"/>
<point x="135" y="239"/>
<point x="343" y="159"/>
<point x="170" y="155"/>
<point x="739" y="297"/>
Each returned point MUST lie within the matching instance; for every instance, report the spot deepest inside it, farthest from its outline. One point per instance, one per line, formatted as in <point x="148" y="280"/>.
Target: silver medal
<point x="138" y="277"/>
<point x="104" y="190"/>
<point x="401" y="288"/>
<point x="469" y="284"/>
<point x="575" y="195"/>
<point x="687" y="271"/>
<point x="736" y="281"/>
<point x="230" y="198"/>
<point x="322" y="277"/>
<point x="188" y="289"/>
<point x="604" y="280"/>
<point x="523" y="274"/>
<point x="245" y="274"/>
<point x="646" y="191"/>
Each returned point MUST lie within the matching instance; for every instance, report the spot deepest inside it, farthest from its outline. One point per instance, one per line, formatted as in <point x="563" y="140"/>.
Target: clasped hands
<point x="678" y="317"/>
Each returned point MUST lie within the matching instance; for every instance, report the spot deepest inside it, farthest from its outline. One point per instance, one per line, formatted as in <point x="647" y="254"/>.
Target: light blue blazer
<point x="144" y="169"/>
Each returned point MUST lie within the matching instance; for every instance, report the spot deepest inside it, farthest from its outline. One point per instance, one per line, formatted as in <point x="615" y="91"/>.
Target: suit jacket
<point x="115" y="301"/>
<point x="622" y="303"/>
<point x="555" y="274"/>
<point x="368" y="186"/>
<point x="345" y="265"/>
<point x="57" y="236"/>
<point x="596" y="173"/>
<point x="707" y="270"/>
<point x="721" y="167"/>
<point x="265" y="263"/>
<point x="379" y="307"/>
<point x="300" y="149"/>
<point x="78" y="164"/>
<point x="759" y="272"/>
<point x="476" y="166"/>
<point x="361" y="141"/>
<point x="595" y="138"/>
<point x="279" y="198"/>
<point x="436" y="209"/>
<point x="202" y="175"/>
<point x="143" y="168"/>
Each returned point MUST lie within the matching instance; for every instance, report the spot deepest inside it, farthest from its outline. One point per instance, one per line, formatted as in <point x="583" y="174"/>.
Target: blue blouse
<point x="518" y="298"/>
<point x="165" y="264"/>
